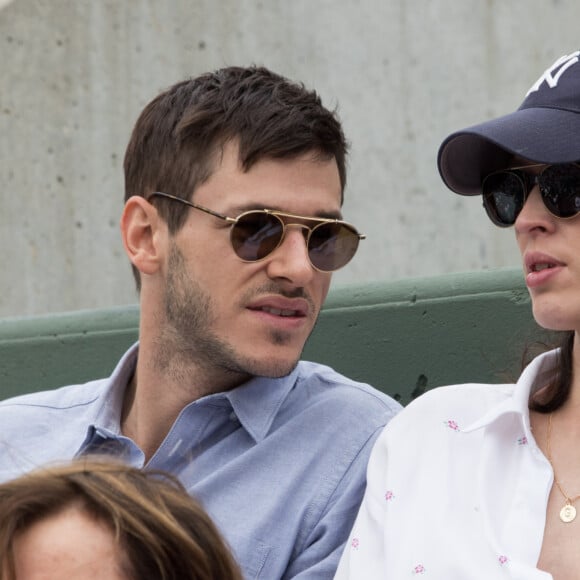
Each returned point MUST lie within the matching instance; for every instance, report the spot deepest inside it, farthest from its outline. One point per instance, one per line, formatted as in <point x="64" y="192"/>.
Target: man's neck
<point x="157" y="393"/>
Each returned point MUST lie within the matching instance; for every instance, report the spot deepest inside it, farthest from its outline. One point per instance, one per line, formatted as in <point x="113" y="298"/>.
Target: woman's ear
<point x="142" y="231"/>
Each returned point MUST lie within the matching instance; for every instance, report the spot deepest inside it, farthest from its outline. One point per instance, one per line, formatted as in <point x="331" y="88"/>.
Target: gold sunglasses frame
<point x="277" y="214"/>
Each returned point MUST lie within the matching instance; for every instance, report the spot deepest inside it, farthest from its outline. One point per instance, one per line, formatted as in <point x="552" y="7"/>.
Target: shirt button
<point x="233" y="416"/>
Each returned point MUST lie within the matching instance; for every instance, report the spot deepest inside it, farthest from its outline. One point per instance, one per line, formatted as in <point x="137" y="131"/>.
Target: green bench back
<point x="402" y="337"/>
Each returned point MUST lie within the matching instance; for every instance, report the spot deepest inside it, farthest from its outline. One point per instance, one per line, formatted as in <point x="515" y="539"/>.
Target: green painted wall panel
<point x="403" y="337"/>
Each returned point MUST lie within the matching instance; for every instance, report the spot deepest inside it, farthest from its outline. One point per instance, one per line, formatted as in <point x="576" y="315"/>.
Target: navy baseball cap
<point x="545" y="129"/>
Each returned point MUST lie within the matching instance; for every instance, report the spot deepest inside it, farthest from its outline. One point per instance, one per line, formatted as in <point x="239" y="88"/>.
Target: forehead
<point x="305" y="184"/>
<point x="69" y="544"/>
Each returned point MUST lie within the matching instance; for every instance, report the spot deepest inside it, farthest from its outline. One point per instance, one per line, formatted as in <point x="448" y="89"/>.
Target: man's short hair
<point x="177" y="139"/>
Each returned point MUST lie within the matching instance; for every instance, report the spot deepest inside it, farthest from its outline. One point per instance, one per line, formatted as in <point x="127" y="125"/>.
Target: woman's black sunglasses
<point x="256" y="234"/>
<point x="505" y="192"/>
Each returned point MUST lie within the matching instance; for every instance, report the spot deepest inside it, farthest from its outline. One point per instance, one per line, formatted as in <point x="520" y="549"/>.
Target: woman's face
<point x="550" y="249"/>
<point x="69" y="545"/>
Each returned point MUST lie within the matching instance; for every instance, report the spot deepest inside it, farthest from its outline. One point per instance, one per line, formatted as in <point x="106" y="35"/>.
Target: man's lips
<point x="281" y="306"/>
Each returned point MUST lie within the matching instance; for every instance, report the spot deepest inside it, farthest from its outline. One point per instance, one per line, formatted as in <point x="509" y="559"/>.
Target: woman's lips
<point x="540" y="268"/>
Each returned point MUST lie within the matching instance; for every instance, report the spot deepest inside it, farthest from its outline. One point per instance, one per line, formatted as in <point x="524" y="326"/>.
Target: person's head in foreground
<point x="98" y="520"/>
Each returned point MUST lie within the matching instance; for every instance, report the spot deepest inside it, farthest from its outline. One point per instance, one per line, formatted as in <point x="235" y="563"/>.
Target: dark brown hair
<point x="162" y="533"/>
<point x="176" y="140"/>
<point x="552" y="396"/>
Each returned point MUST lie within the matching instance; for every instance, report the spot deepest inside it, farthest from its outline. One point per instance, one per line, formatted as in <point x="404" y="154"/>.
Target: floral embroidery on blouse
<point x="452" y="424"/>
<point x="355" y="543"/>
<point x="389" y="495"/>
<point x="419" y="569"/>
<point x="523" y="440"/>
<point x="503" y="560"/>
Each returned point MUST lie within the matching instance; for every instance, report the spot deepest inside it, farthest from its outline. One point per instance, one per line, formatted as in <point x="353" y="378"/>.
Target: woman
<point x="98" y="520"/>
<point x="480" y="481"/>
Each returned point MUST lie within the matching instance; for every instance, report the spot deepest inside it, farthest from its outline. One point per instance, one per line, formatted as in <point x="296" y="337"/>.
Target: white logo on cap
<point x="562" y="64"/>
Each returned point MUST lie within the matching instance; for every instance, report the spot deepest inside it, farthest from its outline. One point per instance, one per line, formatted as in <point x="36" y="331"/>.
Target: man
<point x="232" y="223"/>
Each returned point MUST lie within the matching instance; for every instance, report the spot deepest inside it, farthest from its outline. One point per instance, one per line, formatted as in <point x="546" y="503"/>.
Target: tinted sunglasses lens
<point x="331" y="246"/>
<point x="560" y="187"/>
<point x="503" y="197"/>
<point x="255" y="235"/>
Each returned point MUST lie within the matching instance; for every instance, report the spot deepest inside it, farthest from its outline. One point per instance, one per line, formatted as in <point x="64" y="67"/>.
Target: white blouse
<point x="457" y="488"/>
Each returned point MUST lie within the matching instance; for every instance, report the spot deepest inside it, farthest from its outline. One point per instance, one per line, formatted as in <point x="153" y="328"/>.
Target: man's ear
<point x="142" y="231"/>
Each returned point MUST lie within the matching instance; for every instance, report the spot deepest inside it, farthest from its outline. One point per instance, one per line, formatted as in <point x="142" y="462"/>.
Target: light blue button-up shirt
<point x="279" y="464"/>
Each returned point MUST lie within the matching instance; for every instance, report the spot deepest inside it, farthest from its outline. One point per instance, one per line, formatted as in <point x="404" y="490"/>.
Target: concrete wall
<point x="74" y="74"/>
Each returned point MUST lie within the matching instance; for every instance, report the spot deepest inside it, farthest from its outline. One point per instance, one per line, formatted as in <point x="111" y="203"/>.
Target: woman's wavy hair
<point x="161" y="532"/>
<point x="555" y="393"/>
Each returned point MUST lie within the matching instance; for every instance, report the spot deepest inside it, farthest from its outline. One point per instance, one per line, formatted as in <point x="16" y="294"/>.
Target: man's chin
<point x="274" y="369"/>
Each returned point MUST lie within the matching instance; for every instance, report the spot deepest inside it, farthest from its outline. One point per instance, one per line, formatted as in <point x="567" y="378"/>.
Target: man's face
<point x="240" y="318"/>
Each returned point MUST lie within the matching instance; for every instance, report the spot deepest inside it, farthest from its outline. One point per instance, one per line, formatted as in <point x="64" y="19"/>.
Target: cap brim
<point x="540" y="135"/>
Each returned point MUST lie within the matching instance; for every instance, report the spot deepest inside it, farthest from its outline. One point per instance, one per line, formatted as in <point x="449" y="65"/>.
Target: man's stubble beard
<point x="189" y="340"/>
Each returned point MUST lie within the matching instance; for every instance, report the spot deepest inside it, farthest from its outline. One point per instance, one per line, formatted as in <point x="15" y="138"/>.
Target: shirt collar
<point x="533" y="377"/>
<point x="257" y="402"/>
<point x="109" y="415"/>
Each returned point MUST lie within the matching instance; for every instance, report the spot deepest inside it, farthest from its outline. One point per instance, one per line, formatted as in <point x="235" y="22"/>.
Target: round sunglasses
<point x="505" y="192"/>
<point x="255" y="234"/>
